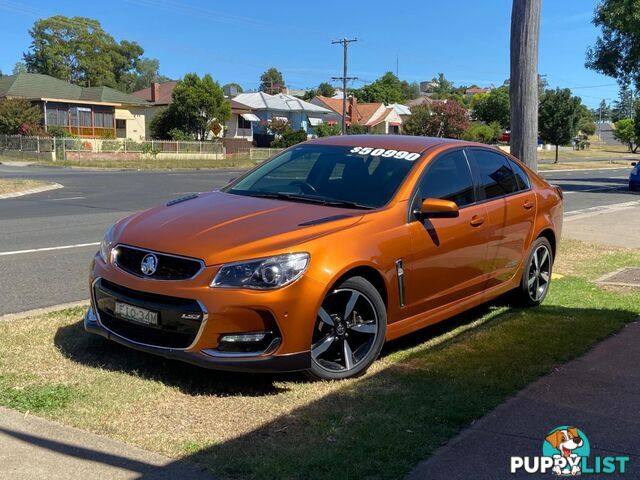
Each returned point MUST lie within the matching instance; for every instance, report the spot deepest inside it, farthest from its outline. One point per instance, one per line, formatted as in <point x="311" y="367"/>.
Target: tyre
<point x="536" y="276"/>
<point x="349" y="331"/>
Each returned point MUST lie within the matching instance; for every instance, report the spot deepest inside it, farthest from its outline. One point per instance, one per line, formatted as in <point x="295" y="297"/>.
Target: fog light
<point x="244" y="337"/>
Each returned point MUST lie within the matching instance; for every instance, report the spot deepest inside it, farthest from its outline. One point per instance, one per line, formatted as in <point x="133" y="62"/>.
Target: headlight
<point x="262" y="273"/>
<point x="106" y="244"/>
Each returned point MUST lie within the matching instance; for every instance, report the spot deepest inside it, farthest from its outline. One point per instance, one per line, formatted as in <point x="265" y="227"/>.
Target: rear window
<point x="497" y="178"/>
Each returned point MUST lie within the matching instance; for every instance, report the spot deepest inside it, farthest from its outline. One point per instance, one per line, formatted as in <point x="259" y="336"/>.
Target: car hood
<point x="220" y="227"/>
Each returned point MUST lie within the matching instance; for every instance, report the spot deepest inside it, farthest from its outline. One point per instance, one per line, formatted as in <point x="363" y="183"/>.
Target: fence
<point x="87" y="148"/>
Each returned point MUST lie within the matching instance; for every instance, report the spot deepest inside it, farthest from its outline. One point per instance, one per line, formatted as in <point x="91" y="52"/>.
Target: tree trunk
<point x="556" y="160"/>
<point x="523" y="91"/>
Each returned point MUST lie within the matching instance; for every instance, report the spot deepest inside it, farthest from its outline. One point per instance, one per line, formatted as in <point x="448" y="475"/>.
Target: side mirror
<point x="437" y="208"/>
<point x="633" y="164"/>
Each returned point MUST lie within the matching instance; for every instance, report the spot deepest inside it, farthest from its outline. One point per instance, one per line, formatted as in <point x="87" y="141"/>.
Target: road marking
<point x="587" y="190"/>
<point x="591" y="211"/>
<point x="49" y="249"/>
<point x="65" y="198"/>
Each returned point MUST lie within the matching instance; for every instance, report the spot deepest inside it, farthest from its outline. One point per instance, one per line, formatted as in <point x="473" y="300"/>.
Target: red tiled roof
<point x="164" y="97"/>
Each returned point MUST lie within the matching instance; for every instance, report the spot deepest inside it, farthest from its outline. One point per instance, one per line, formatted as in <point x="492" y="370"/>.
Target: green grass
<point x="423" y="391"/>
<point x="146" y="164"/>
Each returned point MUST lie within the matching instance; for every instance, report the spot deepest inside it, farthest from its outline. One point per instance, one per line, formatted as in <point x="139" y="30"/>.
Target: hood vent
<point x="182" y="199"/>
<point x="323" y="220"/>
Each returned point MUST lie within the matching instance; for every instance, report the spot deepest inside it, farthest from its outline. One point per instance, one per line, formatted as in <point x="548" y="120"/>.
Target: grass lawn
<point x="147" y="164"/>
<point x="583" y="165"/>
<point x="597" y="149"/>
<point x="423" y="390"/>
<point x="17" y="185"/>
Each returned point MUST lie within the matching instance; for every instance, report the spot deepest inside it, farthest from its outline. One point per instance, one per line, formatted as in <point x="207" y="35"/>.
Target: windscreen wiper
<point x="309" y="199"/>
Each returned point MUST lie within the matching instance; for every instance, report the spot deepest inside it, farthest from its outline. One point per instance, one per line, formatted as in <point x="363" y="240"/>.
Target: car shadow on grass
<point x="94" y="351"/>
<point x="385" y="423"/>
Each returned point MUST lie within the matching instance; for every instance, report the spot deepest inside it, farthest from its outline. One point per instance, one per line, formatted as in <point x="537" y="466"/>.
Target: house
<point x="160" y="96"/>
<point x="298" y="113"/>
<point x="376" y="117"/>
<point x="82" y="111"/>
<point x="470" y="92"/>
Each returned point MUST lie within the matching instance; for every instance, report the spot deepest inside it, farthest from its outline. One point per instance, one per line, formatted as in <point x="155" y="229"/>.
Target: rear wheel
<point x="536" y="276"/>
<point x="349" y="331"/>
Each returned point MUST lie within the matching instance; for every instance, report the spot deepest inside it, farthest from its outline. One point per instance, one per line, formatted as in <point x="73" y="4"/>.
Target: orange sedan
<point x="313" y="259"/>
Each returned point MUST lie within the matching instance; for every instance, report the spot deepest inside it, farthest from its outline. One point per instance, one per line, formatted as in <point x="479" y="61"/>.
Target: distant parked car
<point x="505" y="137"/>
<point x="634" y="177"/>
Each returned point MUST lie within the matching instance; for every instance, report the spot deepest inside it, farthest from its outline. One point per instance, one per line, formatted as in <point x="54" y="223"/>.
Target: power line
<point x="345" y="46"/>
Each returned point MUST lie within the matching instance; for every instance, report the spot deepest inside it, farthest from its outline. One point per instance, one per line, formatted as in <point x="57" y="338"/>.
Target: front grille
<point x="169" y="267"/>
<point x="173" y="330"/>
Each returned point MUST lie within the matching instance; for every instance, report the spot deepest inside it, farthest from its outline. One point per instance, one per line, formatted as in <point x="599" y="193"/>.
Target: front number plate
<point x="136" y="314"/>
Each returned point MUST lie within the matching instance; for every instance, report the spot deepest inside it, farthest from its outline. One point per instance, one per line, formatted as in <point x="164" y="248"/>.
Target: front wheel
<point x="536" y="276"/>
<point x="349" y="331"/>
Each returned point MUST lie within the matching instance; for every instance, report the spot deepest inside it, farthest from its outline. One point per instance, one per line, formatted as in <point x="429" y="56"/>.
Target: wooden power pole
<point x="345" y="45"/>
<point x="523" y="89"/>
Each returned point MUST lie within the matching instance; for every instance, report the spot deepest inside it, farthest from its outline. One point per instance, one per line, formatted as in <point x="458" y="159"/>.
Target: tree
<point x="197" y="102"/>
<point x="289" y="137"/>
<point x="442" y="119"/>
<point x="616" y="52"/>
<point x="492" y="107"/>
<point x="386" y="89"/>
<point x="145" y="73"/>
<point x="442" y="88"/>
<point x="16" y="113"/>
<point x="271" y="81"/>
<point x="410" y="91"/>
<point x="626" y="132"/>
<point x="79" y="50"/>
<point x="523" y="84"/>
<point x="623" y="107"/>
<point x="559" y="117"/>
<point x="19" y="67"/>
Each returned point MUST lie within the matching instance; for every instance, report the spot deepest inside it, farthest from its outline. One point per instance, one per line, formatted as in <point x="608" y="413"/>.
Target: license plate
<point x="136" y="314"/>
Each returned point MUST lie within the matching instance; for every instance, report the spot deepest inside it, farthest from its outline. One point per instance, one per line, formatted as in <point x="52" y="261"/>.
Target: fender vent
<point x="182" y="199"/>
<point x="323" y="220"/>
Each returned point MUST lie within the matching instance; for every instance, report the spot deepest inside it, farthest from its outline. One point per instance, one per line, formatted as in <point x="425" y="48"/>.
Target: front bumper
<point x="217" y="361"/>
<point x="288" y="312"/>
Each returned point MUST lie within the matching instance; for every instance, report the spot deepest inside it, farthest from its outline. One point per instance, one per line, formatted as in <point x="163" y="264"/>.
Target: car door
<point x="511" y="207"/>
<point x="448" y="256"/>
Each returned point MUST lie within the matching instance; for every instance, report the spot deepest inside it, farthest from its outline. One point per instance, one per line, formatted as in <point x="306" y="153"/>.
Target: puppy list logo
<point x="566" y="452"/>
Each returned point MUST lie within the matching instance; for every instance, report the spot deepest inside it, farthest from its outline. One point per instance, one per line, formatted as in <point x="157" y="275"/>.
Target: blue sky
<point x="236" y="41"/>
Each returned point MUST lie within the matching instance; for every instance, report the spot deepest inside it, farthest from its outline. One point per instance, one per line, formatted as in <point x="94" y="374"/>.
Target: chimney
<point x="352" y="109"/>
<point x="155" y="91"/>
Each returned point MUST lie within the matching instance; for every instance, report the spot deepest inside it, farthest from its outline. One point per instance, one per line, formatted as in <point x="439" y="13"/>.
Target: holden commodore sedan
<point x="312" y="260"/>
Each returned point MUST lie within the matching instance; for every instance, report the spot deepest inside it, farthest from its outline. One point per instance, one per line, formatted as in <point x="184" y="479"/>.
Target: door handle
<point x="528" y="204"/>
<point x="476" y="221"/>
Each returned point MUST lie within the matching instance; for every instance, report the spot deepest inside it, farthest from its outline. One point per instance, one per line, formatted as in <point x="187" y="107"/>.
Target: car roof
<point x="398" y="142"/>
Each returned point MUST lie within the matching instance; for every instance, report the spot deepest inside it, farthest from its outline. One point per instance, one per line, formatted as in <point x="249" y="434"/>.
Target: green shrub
<point x="289" y="137"/>
<point x="479" y="132"/>
<point x="324" y="130"/>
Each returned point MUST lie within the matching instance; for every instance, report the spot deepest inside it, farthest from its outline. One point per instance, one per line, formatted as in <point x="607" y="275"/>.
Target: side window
<point x="496" y="176"/>
<point x="448" y="177"/>
<point x="521" y="175"/>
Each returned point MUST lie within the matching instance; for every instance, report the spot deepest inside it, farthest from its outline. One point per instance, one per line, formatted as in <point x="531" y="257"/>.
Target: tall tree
<point x="272" y="81"/>
<point x="80" y="51"/>
<point x="16" y="113"/>
<point x="492" y="106"/>
<point x="19" y="67"/>
<point x="235" y="85"/>
<point x="560" y="114"/>
<point x="616" y="52"/>
<point x="523" y="85"/>
<point x="623" y="107"/>
<point x="442" y="88"/>
<point x="442" y="119"/>
<point x="197" y="103"/>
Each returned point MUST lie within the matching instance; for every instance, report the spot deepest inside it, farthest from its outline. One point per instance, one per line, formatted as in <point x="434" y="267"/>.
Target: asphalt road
<point x="90" y="201"/>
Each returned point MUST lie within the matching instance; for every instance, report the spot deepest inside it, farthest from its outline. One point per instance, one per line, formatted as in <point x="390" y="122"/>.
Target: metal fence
<point x="112" y="146"/>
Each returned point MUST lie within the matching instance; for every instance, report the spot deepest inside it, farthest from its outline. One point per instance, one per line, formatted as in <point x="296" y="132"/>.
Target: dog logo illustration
<point x="567" y="446"/>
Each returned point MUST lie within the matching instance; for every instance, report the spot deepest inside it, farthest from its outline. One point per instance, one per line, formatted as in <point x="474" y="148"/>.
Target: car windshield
<point x="351" y="177"/>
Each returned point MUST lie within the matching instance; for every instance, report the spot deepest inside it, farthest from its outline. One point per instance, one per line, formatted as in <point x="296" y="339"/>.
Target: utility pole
<point x="523" y="87"/>
<point x="345" y="46"/>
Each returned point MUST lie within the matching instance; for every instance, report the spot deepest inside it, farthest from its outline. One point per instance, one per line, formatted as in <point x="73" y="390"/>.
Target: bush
<point x="479" y="132"/>
<point x="179" y="135"/>
<point x="356" y="129"/>
<point x="289" y="137"/>
<point x="324" y="130"/>
<point x="58" y="132"/>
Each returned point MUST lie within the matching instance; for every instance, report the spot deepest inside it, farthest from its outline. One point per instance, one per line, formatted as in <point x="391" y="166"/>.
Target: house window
<point x="121" y="128"/>
<point x="242" y="123"/>
<point x="57" y="116"/>
<point x="103" y="119"/>
<point x="85" y="118"/>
